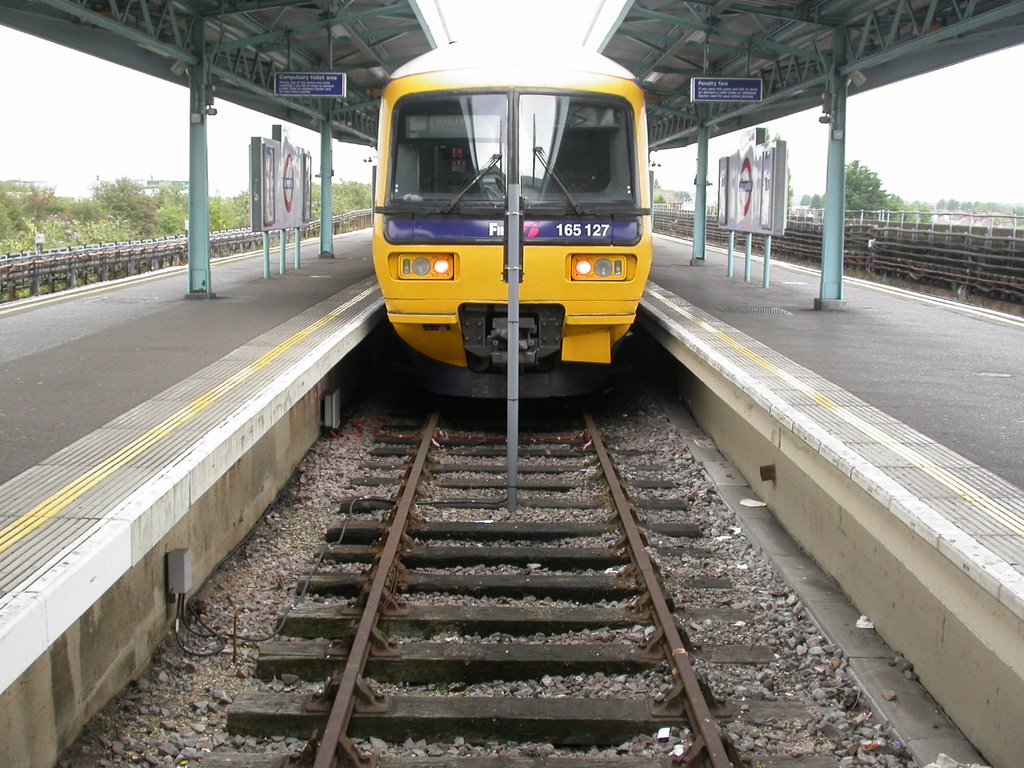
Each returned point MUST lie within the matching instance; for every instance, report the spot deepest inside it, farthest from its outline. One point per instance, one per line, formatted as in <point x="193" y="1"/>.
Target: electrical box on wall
<point x="179" y="571"/>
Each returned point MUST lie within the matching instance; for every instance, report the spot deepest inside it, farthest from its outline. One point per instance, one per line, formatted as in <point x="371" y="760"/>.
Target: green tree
<point x="12" y="213"/>
<point x="346" y="196"/>
<point x="229" y="212"/>
<point x="864" y="190"/>
<point x="127" y="200"/>
<point x="172" y="210"/>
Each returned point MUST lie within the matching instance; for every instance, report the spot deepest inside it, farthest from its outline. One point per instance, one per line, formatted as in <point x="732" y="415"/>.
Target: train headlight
<point x="424" y="266"/>
<point x="594" y="267"/>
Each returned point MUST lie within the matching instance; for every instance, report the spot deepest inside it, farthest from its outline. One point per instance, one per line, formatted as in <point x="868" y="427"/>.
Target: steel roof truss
<point x="150" y="40"/>
<point x="254" y="6"/>
<point x="882" y="39"/>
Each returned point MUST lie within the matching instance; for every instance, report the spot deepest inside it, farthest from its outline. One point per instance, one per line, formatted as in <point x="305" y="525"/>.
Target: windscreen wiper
<point x="576" y="207"/>
<point x="450" y="205"/>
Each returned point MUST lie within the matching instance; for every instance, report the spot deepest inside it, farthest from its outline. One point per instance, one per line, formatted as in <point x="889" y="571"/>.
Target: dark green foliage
<point x="864" y="190"/>
<point x="126" y="200"/>
<point x="346" y="196"/>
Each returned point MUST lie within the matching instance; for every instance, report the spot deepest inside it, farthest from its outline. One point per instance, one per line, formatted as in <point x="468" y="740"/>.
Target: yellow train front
<point x="457" y="125"/>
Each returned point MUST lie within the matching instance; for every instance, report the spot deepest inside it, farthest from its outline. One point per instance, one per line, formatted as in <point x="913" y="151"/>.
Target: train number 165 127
<point x="589" y="229"/>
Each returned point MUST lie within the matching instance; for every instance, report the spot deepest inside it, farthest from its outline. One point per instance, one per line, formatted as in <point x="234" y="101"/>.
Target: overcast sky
<point x="71" y="119"/>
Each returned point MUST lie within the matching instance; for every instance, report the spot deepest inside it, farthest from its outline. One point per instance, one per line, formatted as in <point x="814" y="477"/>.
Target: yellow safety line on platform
<point x="976" y="498"/>
<point x="62" y="499"/>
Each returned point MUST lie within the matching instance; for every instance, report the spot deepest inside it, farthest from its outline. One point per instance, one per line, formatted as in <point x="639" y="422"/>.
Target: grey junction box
<point x="179" y="571"/>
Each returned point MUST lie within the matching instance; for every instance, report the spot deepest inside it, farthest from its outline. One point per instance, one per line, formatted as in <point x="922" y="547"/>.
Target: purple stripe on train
<point x="535" y="232"/>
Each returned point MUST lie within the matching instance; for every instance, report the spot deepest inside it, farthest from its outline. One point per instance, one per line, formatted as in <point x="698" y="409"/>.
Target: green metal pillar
<point x="200" y="279"/>
<point x="700" y="212"/>
<point x="326" y="192"/>
<point x="831" y="292"/>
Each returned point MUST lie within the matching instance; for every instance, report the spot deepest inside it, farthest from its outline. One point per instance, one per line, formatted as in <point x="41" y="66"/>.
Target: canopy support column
<point x="831" y="292"/>
<point x="200" y="278"/>
<point x="700" y="212"/>
<point x="326" y="188"/>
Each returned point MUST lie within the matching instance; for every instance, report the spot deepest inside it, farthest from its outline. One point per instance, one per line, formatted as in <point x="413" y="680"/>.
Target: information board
<point x="306" y="84"/>
<point x="740" y="89"/>
<point x="756" y="187"/>
<point x="280" y="183"/>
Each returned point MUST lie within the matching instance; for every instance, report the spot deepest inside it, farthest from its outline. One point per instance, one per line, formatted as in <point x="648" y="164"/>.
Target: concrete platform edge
<point x="125" y="554"/>
<point x="844" y="512"/>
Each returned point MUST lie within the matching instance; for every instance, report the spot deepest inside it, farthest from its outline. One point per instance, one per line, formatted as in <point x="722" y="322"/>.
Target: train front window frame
<point x="443" y="142"/>
<point x="576" y="149"/>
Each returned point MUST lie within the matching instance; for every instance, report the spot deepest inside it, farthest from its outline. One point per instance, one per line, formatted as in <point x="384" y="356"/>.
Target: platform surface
<point x="950" y="371"/>
<point x="71" y="362"/>
<point x="125" y="402"/>
<point x="915" y="398"/>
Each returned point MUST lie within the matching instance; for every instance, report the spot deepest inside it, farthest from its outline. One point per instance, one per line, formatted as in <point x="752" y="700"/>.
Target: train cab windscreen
<point x="575" y="147"/>
<point x="443" y="143"/>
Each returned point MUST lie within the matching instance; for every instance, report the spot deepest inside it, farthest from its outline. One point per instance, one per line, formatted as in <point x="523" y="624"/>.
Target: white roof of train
<point x="500" y="56"/>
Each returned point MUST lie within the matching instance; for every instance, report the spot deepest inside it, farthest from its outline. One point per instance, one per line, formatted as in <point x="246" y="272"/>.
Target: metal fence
<point x="23" y="275"/>
<point x="981" y="256"/>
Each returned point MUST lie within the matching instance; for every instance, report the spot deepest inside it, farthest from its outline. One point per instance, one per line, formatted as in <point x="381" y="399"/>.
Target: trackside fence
<point x="978" y="255"/>
<point x="23" y="274"/>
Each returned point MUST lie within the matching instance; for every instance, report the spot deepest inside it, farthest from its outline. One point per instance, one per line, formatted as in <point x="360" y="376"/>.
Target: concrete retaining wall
<point x="113" y="640"/>
<point x="965" y="644"/>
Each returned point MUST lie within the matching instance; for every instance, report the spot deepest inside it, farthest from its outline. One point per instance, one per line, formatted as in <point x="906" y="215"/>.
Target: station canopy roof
<point x="802" y="50"/>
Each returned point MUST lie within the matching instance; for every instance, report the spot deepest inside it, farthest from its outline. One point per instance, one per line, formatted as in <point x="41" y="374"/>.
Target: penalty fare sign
<point x="304" y="84"/>
<point x="739" y="89"/>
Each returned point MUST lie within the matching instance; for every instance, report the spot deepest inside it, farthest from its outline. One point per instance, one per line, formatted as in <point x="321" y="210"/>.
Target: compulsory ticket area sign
<point x="306" y="84"/>
<point x="739" y="89"/>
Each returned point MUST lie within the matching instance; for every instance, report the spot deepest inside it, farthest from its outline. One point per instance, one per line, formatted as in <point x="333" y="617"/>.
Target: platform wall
<point x="44" y="710"/>
<point x="966" y="647"/>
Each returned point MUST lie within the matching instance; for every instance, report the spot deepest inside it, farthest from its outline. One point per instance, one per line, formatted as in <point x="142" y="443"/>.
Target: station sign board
<point x="753" y="185"/>
<point x="280" y="183"/>
<point x="310" y="84"/>
<point x="725" y="89"/>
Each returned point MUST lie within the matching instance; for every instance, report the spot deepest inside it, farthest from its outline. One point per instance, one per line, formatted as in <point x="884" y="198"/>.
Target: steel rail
<point x="332" y="743"/>
<point x="709" y="749"/>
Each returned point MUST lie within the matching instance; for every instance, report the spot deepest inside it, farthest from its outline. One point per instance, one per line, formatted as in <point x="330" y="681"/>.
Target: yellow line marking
<point x="70" y="493"/>
<point x="997" y="512"/>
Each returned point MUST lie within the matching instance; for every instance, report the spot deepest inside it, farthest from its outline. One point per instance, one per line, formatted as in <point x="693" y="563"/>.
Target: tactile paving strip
<point x="972" y="498"/>
<point x="67" y="498"/>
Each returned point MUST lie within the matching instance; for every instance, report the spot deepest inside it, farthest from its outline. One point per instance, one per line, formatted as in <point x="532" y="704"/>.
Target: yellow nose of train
<point x="454" y="135"/>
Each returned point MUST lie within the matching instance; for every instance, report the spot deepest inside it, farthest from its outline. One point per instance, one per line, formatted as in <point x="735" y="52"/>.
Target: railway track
<point x="437" y="594"/>
<point x="500" y="640"/>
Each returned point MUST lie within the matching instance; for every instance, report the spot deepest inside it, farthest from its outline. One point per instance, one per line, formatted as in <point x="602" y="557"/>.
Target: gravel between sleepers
<point x="174" y="712"/>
